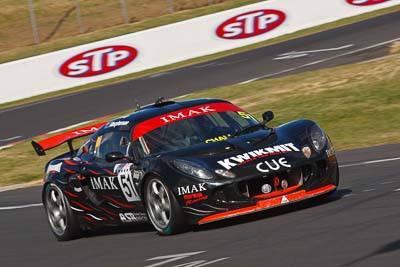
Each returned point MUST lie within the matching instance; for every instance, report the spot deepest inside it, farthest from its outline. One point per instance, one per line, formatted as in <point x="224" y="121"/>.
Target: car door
<point x="117" y="181"/>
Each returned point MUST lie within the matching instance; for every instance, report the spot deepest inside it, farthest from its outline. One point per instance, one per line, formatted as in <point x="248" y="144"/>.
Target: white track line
<point x="69" y="127"/>
<point x="318" y="50"/>
<point x="232" y="62"/>
<point x="369" y="162"/>
<point x="10" y="138"/>
<point x="389" y="182"/>
<point x="369" y="190"/>
<point x="321" y="61"/>
<point x="157" y="75"/>
<point x="204" y="65"/>
<point x="342" y="166"/>
<point x="21" y="206"/>
<point x="295" y="54"/>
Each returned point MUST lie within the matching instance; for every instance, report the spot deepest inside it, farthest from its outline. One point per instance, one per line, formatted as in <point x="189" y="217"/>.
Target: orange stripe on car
<point x="269" y="203"/>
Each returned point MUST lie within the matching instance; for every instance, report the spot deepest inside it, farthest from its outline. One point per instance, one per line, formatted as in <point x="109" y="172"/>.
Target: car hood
<point x="261" y="152"/>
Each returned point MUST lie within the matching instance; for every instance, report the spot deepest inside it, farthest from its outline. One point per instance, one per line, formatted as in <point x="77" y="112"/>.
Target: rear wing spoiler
<point x="54" y="141"/>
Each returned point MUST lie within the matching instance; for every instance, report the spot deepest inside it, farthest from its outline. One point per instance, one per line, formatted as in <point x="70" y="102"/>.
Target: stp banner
<point x="172" y="43"/>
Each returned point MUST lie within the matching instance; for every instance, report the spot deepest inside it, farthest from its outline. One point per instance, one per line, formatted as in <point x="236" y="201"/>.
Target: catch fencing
<point x="27" y="22"/>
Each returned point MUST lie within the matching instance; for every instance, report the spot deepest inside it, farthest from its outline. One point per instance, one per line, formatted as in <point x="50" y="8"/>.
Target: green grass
<point x="102" y="19"/>
<point x="204" y="58"/>
<point x="358" y="105"/>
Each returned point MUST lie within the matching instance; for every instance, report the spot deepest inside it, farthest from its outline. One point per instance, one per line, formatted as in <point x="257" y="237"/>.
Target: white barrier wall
<point x="172" y="43"/>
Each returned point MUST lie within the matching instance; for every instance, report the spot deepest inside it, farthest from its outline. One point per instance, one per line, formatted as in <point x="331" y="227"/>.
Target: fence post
<point x="170" y="6"/>
<point x="78" y="15"/>
<point x="35" y="30"/>
<point x="124" y="11"/>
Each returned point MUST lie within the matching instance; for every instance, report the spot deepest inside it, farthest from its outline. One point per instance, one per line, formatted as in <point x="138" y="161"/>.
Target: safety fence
<point x="26" y="22"/>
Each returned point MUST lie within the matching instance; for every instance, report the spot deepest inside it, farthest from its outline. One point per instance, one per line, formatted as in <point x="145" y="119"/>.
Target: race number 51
<point x="125" y="180"/>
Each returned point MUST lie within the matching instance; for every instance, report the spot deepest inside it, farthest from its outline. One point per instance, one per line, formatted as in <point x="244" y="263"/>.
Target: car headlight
<point x="193" y="169"/>
<point x="318" y="138"/>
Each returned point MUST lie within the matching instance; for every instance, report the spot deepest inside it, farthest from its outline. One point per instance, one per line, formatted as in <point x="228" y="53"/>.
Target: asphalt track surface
<point x="357" y="226"/>
<point x="357" y="42"/>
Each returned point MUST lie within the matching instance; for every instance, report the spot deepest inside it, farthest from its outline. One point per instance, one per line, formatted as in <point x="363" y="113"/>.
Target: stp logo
<point x="98" y="61"/>
<point x="365" y="2"/>
<point x="251" y="24"/>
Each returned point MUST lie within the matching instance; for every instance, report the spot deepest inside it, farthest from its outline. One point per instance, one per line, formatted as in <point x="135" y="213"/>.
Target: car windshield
<point x="208" y="128"/>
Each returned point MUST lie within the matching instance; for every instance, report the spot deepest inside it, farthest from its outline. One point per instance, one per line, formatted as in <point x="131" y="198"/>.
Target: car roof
<point x="154" y="110"/>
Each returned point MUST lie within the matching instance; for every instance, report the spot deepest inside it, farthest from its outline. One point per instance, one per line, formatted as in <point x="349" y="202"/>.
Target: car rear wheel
<point x="62" y="220"/>
<point x="162" y="208"/>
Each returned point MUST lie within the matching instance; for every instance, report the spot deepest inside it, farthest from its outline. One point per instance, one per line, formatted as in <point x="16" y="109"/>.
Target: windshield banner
<point x="182" y="114"/>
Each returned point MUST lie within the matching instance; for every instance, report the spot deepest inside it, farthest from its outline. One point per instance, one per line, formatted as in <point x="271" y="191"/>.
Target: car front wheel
<point x="163" y="209"/>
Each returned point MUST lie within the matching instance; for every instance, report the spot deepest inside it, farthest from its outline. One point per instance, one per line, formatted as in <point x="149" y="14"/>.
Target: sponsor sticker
<point x="187" y="113"/>
<point x="78" y="189"/>
<point x="272" y="165"/>
<point x="103" y="183"/>
<point x="284" y="200"/>
<point x="54" y="168"/>
<point x="194" y="198"/>
<point x="250" y="156"/>
<point x="126" y="181"/>
<point x="251" y="24"/>
<point x="365" y="2"/>
<point x="190" y="189"/>
<point x="114" y="124"/>
<point x="130" y="217"/>
<point x="98" y="61"/>
<point x="218" y="138"/>
<point x="245" y="115"/>
<point x="98" y="141"/>
<point x="85" y="131"/>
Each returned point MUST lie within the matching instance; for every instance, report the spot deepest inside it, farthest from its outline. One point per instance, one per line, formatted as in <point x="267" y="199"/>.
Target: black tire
<point x="173" y="220"/>
<point x="63" y="222"/>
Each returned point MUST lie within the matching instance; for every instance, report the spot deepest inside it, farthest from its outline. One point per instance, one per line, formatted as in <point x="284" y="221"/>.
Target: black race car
<point x="176" y="164"/>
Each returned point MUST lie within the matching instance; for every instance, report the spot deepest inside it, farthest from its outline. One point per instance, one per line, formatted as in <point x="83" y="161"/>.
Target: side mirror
<point x="268" y="116"/>
<point x="114" y="156"/>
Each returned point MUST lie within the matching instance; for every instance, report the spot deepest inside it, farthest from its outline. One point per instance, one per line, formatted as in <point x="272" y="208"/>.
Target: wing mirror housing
<point x="268" y="116"/>
<point x="114" y="156"/>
